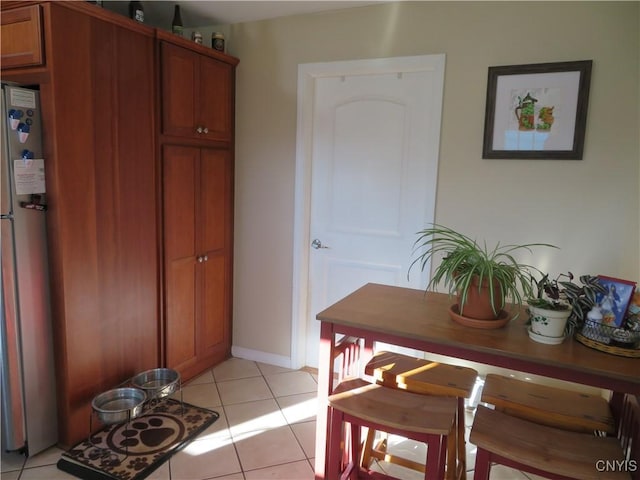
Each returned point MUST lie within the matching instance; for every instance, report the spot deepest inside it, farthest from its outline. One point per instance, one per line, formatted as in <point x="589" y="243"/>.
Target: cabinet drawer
<point x="22" y="42"/>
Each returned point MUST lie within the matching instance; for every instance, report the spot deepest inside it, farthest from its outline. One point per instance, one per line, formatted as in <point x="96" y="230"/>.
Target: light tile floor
<point x="266" y="430"/>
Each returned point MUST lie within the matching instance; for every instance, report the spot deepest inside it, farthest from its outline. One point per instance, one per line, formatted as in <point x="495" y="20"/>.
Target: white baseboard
<point x="262" y="357"/>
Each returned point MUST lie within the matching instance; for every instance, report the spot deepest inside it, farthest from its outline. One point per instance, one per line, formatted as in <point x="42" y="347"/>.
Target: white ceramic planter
<point x="547" y="326"/>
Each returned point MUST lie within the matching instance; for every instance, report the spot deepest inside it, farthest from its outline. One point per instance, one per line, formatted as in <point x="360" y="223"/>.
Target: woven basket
<point x="603" y="337"/>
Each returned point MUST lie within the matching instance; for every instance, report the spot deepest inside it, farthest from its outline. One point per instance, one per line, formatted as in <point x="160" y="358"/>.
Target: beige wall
<point x="588" y="208"/>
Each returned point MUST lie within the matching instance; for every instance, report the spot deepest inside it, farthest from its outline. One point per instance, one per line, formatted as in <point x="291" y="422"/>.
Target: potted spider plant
<point x="483" y="278"/>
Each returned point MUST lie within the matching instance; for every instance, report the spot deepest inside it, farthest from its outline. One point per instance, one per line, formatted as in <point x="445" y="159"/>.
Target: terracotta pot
<point x="478" y="304"/>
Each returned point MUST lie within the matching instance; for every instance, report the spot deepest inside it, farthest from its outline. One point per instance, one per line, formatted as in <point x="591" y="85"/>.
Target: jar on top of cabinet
<point x="217" y="41"/>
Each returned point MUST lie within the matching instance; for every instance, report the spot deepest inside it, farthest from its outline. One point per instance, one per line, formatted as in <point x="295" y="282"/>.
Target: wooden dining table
<point x="421" y="321"/>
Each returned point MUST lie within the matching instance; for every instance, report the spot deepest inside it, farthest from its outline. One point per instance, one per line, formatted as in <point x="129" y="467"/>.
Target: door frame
<point x="308" y="73"/>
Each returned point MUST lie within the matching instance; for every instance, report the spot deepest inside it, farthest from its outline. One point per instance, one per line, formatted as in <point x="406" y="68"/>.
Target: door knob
<point x="318" y="244"/>
<point x="200" y="259"/>
<point x="199" y="129"/>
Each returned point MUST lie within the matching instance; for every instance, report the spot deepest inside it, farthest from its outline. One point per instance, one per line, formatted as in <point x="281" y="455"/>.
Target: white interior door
<point x="372" y="154"/>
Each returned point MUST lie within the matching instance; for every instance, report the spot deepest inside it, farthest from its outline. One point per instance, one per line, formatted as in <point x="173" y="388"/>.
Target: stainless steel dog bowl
<point x="119" y="405"/>
<point x="157" y="383"/>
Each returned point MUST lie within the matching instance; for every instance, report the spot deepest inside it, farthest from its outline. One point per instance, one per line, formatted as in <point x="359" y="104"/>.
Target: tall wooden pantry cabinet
<point x="98" y="100"/>
<point x="197" y="203"/>
<point x="138" y="145"/>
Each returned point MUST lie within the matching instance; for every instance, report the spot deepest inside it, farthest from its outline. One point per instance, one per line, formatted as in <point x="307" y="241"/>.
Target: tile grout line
<point x="233" y="442"/>
<point x="275" y="398"/>
<point x="285" y="418"/>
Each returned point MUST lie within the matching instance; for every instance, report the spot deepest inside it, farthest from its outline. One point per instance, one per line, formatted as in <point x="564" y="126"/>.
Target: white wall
<point x="588" y="208"/>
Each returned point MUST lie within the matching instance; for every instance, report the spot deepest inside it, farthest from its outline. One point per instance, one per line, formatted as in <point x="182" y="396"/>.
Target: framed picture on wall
<point x="615" y="301"/>
<point x="537" y="111"/>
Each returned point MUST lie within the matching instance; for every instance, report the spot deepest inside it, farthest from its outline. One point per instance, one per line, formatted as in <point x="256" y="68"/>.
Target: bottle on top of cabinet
<point x="176" y="24"/>
<point x="136" y="11"/>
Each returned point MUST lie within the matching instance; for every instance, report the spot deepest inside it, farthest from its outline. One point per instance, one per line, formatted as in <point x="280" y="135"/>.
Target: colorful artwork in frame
<point x="537" y="110"/>
<point x="614" y="303"/>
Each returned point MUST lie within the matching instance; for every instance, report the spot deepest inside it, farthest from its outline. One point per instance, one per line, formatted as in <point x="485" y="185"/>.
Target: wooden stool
<point x="395" y="370"/>
<point x="553" y="452"/>
<point x="427" y="419"/>
<point x="550" y="406"/>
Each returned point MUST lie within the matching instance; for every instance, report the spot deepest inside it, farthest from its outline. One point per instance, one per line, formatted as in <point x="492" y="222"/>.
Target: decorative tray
<point x="608" y="339"/>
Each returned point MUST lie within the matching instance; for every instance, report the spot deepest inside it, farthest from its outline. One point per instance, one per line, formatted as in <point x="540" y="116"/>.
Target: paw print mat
<point x="132" y="450"/>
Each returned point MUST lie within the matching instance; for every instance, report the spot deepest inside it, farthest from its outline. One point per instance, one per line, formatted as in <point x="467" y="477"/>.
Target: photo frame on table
<point x="537" y="111"/>
<point x="615" y="301"/>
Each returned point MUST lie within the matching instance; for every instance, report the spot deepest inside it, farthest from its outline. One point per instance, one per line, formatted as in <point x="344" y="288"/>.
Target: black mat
<point x="133" y="450"/>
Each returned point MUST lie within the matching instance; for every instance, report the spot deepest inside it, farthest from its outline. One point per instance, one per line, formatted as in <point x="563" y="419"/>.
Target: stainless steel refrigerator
<point x="29" y="422"/>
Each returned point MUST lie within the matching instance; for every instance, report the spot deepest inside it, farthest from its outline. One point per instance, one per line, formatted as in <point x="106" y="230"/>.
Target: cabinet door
<point x="197" y="95"/>
<point x="215" y="231"/>
<point x="22" y="37"/>
<point x="197" y="236"/>
<point x="180" y="171"/>
<point x="216" y="99"/>
<point x="180" y="72"/>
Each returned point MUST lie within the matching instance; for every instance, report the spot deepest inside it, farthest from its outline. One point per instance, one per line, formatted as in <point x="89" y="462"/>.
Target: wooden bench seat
<point x="421" y="376"/>
<point x="555" y="407"/>
<point x="416" y="375"/>
<point x="547" y="451"/>
<point x="428" y="419"/>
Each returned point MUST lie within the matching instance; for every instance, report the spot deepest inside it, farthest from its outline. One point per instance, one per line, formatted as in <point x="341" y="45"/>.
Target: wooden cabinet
<point x="101" y="175"/>
<point x="130" y="290"/>
<point x="197" y="211"/>
<point x="196" y="141"/>
<point x="197" y="95"/>
<point x="22" y="39"/>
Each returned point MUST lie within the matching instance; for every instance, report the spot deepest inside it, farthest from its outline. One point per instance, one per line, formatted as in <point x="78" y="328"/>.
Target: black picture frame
<point x="554" y="129"/>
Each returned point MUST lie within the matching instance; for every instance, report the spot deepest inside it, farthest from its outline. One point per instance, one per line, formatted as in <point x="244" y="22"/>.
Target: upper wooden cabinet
<point x="197" y="95"/>
<point x="22" y="40"/>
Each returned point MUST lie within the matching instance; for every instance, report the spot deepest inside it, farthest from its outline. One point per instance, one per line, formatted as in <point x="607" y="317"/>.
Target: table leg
<point x="325" y="385"/>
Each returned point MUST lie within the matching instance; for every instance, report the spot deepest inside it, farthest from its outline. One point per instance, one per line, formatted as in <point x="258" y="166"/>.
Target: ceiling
<point x="198" y="13"/>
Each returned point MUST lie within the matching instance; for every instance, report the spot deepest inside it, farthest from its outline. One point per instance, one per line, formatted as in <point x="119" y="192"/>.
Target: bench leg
<point x="483" y="465"/>
<point x="334" y="447"/>
<point x="462" y="444"/>
<point x="436" y="457"/>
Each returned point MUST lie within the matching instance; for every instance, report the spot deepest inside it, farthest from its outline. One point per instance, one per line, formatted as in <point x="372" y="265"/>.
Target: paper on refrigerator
<point x="29" y="176"/>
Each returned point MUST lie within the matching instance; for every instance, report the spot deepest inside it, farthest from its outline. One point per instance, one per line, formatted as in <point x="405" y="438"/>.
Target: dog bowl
<point x="157" y="383"/>
<point x="119" y="405"/>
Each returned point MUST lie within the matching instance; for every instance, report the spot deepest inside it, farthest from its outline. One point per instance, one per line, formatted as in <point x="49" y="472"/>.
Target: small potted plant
<point x="561" y="306"/>
<point x="549" y="311"/>
<point x="483" y="278"/>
